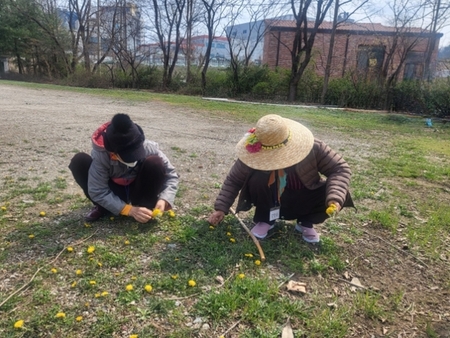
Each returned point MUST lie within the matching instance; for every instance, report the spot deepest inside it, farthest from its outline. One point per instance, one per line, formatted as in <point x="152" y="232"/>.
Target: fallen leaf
<point x="287" y="331"/>
<point x="355" y="281"/>
<point x="296" y="286"/>
<point x="219" y="279"/>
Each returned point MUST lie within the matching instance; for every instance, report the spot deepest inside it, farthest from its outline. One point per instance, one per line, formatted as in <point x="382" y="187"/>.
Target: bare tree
<point x="194" y="11"/>
<point x="214" y="12"/>
<point x="44" y="14"/>
<point x="400" y="47"/>
<point x="108" y="26"/>
<point x="167" y="18"/>
<point x="245" y="42"/>
<point x="440" y="17"/>
<point x="126" y="46"/>
<point x="337" y="20"/>
<point x="80" y="12"/>
<point x="245" y="39"/>
<point x="303" y="43"/>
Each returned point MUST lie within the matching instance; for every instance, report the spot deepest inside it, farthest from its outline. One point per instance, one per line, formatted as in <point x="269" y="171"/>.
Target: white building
<point x="220" y="54"/>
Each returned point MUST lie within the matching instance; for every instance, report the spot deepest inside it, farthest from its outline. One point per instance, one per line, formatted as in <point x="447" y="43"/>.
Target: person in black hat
<point x="125" y="174"/>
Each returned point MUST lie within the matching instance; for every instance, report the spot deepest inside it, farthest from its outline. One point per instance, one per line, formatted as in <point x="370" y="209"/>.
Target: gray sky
<point x="380" y="12"/>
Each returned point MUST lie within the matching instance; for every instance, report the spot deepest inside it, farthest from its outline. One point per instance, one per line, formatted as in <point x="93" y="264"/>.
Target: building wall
<point x="345" y="55"/>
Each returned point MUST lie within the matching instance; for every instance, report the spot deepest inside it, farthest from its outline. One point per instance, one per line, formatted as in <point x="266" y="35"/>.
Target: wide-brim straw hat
<point x="275" y="143"/>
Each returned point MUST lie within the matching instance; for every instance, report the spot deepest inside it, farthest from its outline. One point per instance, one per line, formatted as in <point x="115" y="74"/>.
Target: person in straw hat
<point x="126" y="174"/>
<point x="285" y="173"/>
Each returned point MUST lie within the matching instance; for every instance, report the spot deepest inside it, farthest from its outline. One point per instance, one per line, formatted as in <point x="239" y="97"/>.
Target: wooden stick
<point x="261" y="252"/>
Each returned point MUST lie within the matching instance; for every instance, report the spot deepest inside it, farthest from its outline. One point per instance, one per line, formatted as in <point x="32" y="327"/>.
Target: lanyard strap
<point x="278" y="177"/>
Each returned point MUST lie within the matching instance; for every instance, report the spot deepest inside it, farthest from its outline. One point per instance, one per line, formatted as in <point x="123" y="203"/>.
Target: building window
<point x="244" y="32"/>
<point x="413" y="66"/>
<point x="370" y="59"/>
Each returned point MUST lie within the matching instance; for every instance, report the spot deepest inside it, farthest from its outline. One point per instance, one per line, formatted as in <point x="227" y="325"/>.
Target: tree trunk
<point x="330" y="53"/>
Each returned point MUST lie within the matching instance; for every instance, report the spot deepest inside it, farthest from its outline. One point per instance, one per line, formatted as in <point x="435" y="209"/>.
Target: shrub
<point x="149" y="77"/>
<point x="407" y="96"/>
<point x="438" y="98"/>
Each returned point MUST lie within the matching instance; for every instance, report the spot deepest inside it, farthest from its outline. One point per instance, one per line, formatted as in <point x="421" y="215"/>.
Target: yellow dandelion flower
<point x="92" y="282"/>
<point x="54" y="270"/>
<point x="129" y="287"/>
<point x="174" y="276"/>
<point x="90" y="249"/>
<point x="105" y="293"/>
<point x="192" y="283"/>
<point x="148" y="288"/>
<point x="60" y="315"/>
<point x="257" y="262"/>
<point x="331" y="210"/>
<point x="127" y="242"/>
<point x="73" y="284"/>
<point x="133" y="277"/>
<point x="232" y="240"/>
<point x="42" y="214"/>
<point x="19" y="324"/>
<point x="3" y="208"/>
<point x="167" y="239"/>
<point x="97" y="295"/>
<point x="112" y="218"/>
<point x="241" y="275"/>
<point x="69" y="249"/>
<point x="156" y="213"/>
<point x="79" y="272"/>
<point x="79" y="318"/>
<point x="171" y="213"/>
<point x="30" y="236"/>
<point x="134" y="336"/>
<point x="211" y="227"/>
<point x="228" y="233"/>
<point x="249" y="255"/>
<point x="87" y="225"/>
<point x="99" y="264"/>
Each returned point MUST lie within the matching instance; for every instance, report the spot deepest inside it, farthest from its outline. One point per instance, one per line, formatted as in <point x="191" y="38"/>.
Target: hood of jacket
<point x="97" y="137"/>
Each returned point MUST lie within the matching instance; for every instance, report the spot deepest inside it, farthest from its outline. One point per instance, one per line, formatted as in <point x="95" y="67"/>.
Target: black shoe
<point x="95" y="214"/>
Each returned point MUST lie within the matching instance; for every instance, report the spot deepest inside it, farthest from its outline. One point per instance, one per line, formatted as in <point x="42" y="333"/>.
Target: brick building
<point x="361" y="47"/>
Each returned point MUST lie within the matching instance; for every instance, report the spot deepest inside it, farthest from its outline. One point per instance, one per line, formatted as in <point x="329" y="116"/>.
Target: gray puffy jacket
<point x="103" y="168"/>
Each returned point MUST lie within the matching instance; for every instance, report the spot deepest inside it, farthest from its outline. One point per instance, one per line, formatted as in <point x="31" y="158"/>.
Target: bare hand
<point x="161" y="205"/>
<point x="338" y="206"/>
<point x="216" y="217"/>
<point x="140" y="214"/>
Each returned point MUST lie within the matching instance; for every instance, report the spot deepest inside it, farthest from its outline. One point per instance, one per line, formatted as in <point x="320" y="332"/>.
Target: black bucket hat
<point x="125" y="138"/>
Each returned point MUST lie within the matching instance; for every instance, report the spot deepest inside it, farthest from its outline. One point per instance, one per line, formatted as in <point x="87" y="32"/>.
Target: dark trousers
<point x="143" y="191"/>
<point x="306" y="206"/>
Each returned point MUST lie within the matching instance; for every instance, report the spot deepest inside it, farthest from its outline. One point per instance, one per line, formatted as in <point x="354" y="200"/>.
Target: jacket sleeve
<point x="337" y="171"/>
<point x="231" y="186"/>
<point x="98" y="187"/>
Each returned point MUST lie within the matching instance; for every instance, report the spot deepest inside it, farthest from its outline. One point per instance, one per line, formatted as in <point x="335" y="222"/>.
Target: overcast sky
<point x="380" y="12"/>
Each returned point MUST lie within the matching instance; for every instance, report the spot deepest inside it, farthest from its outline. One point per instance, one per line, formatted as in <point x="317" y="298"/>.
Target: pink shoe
<point x="261" y="229"/>
<point x="310" y="235"/>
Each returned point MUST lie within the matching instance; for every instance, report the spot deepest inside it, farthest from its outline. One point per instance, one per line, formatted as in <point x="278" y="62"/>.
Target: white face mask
<point x="128" y="164"/>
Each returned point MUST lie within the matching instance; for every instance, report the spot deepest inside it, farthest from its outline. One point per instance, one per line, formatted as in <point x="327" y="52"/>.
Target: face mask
<point x="128" y="164"/>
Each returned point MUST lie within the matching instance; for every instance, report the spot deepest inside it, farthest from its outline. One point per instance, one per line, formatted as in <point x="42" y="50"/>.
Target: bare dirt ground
<point x="42" y="129"/>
